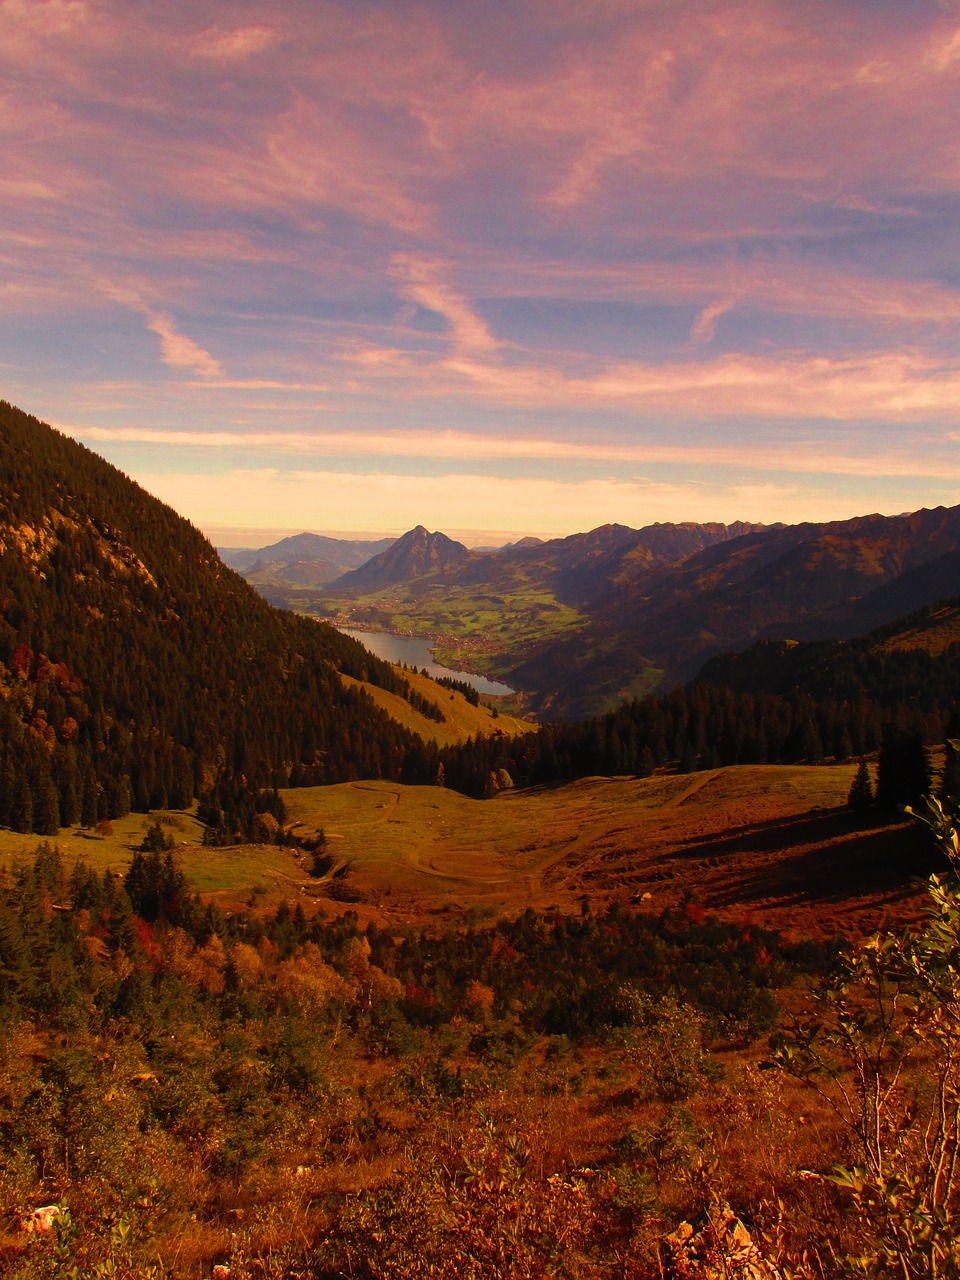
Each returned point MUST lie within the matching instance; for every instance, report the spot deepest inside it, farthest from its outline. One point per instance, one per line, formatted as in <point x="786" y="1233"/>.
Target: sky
<point x="492" y="266"/>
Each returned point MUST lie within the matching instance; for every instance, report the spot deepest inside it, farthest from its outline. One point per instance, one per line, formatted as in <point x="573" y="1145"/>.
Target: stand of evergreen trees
<point x="701" y="726"/>
<point x="136" y="671"/>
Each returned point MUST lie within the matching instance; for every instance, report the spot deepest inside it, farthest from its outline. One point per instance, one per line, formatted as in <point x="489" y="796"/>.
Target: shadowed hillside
<point x="579" y="623"/>
<point x="137" y="671"/>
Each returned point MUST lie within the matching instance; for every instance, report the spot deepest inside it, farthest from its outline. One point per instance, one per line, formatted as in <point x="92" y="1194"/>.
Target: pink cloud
<point x="50" y="18"/>
<point x="704" y="328"/>
<point x="821" y="456"/>
<point x="421" y="280"/>
<point x="242" y="42"/>
<point x="775" y="285"/>
<point x="665" y="96"/>
<point x="884" y="385"/>
<point x="181" y="352"/>
<point x="299" y="173"/>
<point x="686" y="93"/>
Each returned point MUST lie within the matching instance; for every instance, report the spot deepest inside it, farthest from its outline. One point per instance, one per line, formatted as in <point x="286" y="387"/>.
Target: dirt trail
<point x="696" y="786"/>
<point x="392" y="796"/>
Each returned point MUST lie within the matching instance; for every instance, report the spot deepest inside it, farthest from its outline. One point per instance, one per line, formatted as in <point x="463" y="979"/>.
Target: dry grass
<point x="461" y="720"/>
<point x="933" y="634"/>
<point x="775" y="844"/>
<point x="104" y="852"/>
<point x="238" y="877"/>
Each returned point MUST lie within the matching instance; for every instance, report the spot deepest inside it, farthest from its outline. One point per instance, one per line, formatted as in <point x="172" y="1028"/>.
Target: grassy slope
<point x="774" y="842"/>
<point x="933" y="634"/>
<point x="258" y="875"/>
<point x="461" y="719"/>
<point x="103" y="853"/>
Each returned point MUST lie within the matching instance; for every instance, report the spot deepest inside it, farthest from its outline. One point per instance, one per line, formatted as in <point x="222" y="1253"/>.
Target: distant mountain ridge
<point x="303" y="559"/>
<point x="588" y="619"/>
<point x="576" y="569"/>
<point x="808" y="581"/>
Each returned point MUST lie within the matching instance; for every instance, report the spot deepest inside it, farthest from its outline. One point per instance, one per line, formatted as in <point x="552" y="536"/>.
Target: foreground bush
<point x="547" y="1097"/>
<point x="883" y="1050"/>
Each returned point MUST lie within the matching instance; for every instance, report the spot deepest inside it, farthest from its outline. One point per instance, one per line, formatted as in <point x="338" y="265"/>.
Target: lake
<point x="414" y="651"/>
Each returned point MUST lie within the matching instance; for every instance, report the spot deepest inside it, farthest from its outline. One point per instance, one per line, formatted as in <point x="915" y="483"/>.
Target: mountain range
<point x="577" y="623"/>
<point x="303" y="560"/>
<point x="802" y="582"/>
<point x="418" y="554"/>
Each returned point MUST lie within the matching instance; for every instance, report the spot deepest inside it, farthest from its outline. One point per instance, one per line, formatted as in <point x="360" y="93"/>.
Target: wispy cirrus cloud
<point x="422" y="281"/>
<point x="887" y="385"/>
<point x="817" y="456"/>
<point x="225" y="45"/>
<point x="181" y="352"/>
<point x="687" y="220"/>
<point x="704" y="328"/>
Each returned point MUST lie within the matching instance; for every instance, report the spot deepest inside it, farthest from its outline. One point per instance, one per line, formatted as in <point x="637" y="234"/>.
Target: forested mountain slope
<point x="778" y="702"/>
<point x="913" y="662"/>
<point x="136" y="669"/>
<point x="805" y="581"/>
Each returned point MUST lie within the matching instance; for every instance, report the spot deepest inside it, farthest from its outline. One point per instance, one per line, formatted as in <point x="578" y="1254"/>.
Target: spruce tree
<point x="21" y="808"/>
<point x="46" y="817"/>
<point x="861" y="789"/>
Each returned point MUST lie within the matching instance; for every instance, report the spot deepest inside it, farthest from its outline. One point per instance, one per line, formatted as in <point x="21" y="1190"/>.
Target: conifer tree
<point x="46" y="817"/>
<point x="21" y="807"/>
<point x="861" y="789"/>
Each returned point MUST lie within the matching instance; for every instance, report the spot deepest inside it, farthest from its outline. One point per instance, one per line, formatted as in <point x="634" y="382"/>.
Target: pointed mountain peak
<point x="418" y="553"/>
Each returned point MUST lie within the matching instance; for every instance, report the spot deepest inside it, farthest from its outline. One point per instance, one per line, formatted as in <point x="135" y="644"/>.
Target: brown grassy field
<point x="773" y="842"/>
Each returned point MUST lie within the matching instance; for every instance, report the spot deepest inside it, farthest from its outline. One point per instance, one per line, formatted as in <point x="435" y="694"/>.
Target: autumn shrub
<point x="295" y="1096"/>
<point x="662" y="1039"/>
<point x="882" y="1049"/>
<point x="472" y="1206"/>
